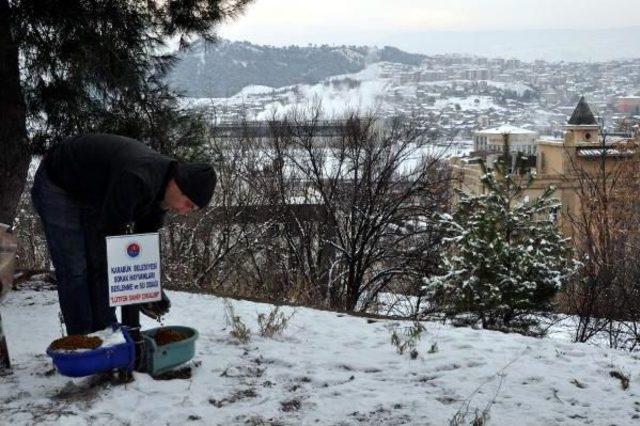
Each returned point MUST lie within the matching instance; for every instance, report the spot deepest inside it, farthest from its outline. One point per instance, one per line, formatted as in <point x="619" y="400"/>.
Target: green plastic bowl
<point x="159" y="359"/>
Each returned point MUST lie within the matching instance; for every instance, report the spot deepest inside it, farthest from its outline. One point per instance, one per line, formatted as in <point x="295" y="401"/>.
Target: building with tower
<point x="584" y="151"/>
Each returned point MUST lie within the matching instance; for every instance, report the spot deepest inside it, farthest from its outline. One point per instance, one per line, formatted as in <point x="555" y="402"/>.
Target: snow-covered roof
<point x="506" y="128"/>
<point x="609" y="152"/>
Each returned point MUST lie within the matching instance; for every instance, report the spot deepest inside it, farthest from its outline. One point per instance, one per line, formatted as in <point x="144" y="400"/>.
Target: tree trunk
<point x="5" y="362"/>
<point x="14" y="149"/>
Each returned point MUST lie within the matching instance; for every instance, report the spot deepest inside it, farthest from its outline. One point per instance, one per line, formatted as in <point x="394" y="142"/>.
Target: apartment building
<point x="583" y="150"/>
<point x="492" y="140"/>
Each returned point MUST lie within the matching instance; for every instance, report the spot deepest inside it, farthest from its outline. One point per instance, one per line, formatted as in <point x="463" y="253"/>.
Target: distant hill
<point x="223" y="69"/>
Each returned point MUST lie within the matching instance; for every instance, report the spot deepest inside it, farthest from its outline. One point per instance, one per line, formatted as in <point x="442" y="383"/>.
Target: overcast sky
<point x="282" y="22"/>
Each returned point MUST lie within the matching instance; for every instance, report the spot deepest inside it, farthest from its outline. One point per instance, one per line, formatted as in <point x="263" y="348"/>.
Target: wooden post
<point x="7" y="266"/>
<point x="5" y="362"/>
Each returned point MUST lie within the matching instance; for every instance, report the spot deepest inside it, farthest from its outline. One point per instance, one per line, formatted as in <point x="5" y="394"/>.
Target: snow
<point x="201" y="57"/>
<point x="348" y="53"/>
<point x="506" y="128"/>
<point x="327" y="369"/>
<point x="519" y="88"/>
<point x="375" y="88"/>
<point x="109" y="337"/>
<point x="255" y="89"/>
<point x="33" y="166"/>
<point x="186" y="102"/>
<point x="242" y="63"/>
<point x="469" y="103"/>
<point x="296" y="160"/>
<point x="334" y="94"/>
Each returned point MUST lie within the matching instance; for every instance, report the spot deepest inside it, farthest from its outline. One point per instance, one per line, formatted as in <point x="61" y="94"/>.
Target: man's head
<point x="191" y="187"/>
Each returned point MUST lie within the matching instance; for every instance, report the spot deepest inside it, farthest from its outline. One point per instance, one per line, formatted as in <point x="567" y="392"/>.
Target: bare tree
<point x="377" y="183"/>
<point x="606" y="230"/>
<point x="203" y="251"/>
<point x="322" y="213"/>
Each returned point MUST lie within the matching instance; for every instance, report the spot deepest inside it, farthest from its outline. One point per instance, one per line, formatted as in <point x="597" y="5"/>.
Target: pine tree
<point x="504" y="255"/>
<point x="69" y="66"/>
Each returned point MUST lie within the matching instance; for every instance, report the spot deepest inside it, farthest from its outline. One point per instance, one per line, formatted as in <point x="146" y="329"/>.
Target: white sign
<point x="134" y="269"/>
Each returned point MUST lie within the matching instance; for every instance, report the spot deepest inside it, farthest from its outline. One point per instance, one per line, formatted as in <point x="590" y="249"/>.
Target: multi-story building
<point x="628" y="104"/>
<point x="492" y="140"/>
<point x="563" y="163"/>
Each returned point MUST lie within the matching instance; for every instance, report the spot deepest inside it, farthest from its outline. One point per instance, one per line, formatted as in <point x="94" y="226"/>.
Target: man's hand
<point x="155" y="310"/>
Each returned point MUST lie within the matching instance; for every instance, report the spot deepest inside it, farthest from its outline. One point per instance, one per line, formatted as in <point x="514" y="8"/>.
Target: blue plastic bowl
<point x="99" y="360"/>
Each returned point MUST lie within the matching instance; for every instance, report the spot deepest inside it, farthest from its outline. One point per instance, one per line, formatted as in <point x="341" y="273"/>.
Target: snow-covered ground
<point x="327" y="369"/>
<point x="468" y="103"/>
<point x="519" y="88"/>
<point x="373" y="89"/>
<point x="359" y="91"/>
<point x="364" y="91"/>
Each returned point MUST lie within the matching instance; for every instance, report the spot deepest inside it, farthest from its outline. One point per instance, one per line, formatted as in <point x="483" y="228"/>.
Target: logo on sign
<point x="133" y="249"/>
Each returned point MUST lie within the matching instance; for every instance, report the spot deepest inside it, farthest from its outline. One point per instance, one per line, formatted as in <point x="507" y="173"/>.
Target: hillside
<point x="223" y="69"/>
<point x="327" y="369"/>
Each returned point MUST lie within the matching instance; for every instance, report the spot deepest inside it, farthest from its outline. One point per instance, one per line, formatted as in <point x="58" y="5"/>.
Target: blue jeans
<point x="78" y="253"/>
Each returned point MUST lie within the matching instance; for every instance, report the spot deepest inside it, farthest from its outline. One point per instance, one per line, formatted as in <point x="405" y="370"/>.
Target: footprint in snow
<point x="448" y="367"/>
<point x="533" y="379"/>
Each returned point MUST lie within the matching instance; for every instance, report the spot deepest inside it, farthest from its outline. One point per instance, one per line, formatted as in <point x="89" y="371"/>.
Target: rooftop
<point x="506" y="128"/>
<point x="608" y="152"/>
<point x="582" y="115"/>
